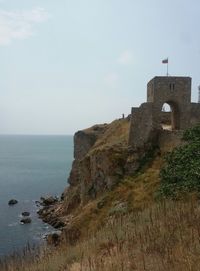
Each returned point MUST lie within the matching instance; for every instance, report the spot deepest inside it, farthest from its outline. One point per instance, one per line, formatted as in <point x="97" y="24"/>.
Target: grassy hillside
<point x="164" y="236"/>
<point x="137" y="225"/>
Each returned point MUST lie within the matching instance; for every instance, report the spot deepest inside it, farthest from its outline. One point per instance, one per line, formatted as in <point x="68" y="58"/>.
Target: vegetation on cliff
<point x="112" y="220"/>
<point x="181" y="173"/>
<point x="164" y="236"/>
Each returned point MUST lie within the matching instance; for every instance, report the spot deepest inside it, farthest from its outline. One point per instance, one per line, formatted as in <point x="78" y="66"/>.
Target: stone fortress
<point x="147" y="120"/>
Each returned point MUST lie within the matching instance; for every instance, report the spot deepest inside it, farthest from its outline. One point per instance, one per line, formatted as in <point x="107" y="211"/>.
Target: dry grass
<point x="134" y="192"/>
<point x="125" y="234"/>
<point x="116" y="133"/>
<point x="126" y="230"/>
<point x="165" y="236"/>
<point x="139" y="190"/>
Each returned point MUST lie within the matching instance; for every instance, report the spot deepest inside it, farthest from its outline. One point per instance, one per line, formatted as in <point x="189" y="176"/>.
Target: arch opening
<point x="170" y="116"/>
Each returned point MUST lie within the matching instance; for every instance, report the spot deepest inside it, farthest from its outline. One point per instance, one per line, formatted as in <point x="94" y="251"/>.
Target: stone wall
<point x="146" y="120"/>
<point x="141" y="125"/>
<point x="194" y="114"/>
<point x="168" y="140"/>
<point x="166" y="118"/>
<point x="176" y="91"/>
<point x="163" y="88"/>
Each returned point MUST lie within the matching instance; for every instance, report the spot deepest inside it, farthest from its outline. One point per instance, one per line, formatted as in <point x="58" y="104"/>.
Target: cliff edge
<point x="107" y="177"/>
<point x="100" y="154"/>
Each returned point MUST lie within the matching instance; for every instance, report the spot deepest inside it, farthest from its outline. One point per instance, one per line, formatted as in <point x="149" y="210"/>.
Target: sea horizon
<point x="36" y="134"/>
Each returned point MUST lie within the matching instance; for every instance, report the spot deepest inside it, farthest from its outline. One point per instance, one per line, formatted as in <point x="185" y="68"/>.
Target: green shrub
<point x="181" y="173"/>
<point x="192" y="134"/>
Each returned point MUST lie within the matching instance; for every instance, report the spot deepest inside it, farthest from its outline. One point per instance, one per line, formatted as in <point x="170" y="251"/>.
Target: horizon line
<point x="36" y="134"/>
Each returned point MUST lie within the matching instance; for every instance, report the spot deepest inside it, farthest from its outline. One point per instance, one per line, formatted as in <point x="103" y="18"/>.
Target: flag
<point x="165" y="61"/>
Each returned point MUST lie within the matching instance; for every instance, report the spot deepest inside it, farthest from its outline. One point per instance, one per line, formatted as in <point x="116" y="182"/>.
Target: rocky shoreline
<point x="49" y="211"/>
<point x="48" y="206"/>
<point x="100" y="156"/>
<point x="102" y="160"/>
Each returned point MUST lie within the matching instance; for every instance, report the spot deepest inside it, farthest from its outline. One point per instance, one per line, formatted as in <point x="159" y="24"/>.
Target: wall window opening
<point x="166" y="117"/>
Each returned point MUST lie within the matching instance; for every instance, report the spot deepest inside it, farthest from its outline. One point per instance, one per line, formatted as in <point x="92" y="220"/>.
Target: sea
<point x="30" y="167"/>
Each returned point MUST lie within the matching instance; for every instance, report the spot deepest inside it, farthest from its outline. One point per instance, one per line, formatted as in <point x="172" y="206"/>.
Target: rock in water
<point x="25" y="214"/>
<point x="38" y="203"/>
<point x="26" y="220"/>
<point x="12" y="202"/>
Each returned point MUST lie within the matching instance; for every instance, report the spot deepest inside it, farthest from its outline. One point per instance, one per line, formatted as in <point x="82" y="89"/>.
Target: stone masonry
<point x="146" y="120"/>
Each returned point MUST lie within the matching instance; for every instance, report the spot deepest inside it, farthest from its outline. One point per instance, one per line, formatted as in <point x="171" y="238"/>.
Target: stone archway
<point x="170" y="116"/>
<point x="146" y="120"/>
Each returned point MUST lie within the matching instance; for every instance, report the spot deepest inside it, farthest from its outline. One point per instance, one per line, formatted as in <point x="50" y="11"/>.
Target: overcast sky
<point x="69" y="64"/>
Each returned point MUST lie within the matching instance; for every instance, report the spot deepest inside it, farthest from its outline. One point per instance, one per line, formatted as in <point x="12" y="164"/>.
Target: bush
<point x="192" y="135"/>
<point x="181" y="172"/>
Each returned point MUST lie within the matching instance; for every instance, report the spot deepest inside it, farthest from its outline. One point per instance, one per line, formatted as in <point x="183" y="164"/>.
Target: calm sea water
<point x="30" y="167"/>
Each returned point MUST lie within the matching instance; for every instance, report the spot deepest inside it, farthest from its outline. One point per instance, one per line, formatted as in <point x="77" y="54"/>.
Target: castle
<point x="147" y="120"/>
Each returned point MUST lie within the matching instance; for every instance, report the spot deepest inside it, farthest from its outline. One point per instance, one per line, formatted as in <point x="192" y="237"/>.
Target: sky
<point x="69" y="64"/>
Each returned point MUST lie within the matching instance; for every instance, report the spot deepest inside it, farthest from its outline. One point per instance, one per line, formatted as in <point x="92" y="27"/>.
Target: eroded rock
<point x="26" y="220"/>
<point x="25" y="214"/>
<point x="49" y="200"/>
<point x="12" y="202"/>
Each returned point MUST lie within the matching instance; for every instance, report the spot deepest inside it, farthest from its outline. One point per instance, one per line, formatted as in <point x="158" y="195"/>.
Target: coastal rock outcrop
<point x="103" y="163"/>
<point x="100" y="156"/>
<point x="25" y="213"/>
<point x="108" y="158"/>
<point x="26" y="220"/>
<point x="47" y="201"/>
<point x="12" y="202"/>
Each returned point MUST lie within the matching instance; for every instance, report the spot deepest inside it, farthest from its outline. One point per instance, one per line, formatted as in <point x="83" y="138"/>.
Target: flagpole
<point x="167" y="66"/>
<point x="165" y="61"/>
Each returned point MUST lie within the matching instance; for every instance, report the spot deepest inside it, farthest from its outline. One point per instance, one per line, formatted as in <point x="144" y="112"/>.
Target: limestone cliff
<point x="103" y="176"/>
<point x="100" y="154"/>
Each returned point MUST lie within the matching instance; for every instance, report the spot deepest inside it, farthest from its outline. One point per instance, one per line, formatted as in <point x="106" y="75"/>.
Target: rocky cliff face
<point x="102" y="160"/>
<point x="100" y="154"/>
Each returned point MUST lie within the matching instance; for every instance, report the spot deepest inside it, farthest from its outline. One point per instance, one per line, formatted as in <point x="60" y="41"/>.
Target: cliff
<point x="108" y="214"/>
<point x="107" y="177"/>
<point x="100" y="155"/>
<point x="120" y="225"/>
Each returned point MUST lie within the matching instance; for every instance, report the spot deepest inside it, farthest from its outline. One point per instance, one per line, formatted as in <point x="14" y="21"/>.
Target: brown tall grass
<point x="165" y="236"/>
